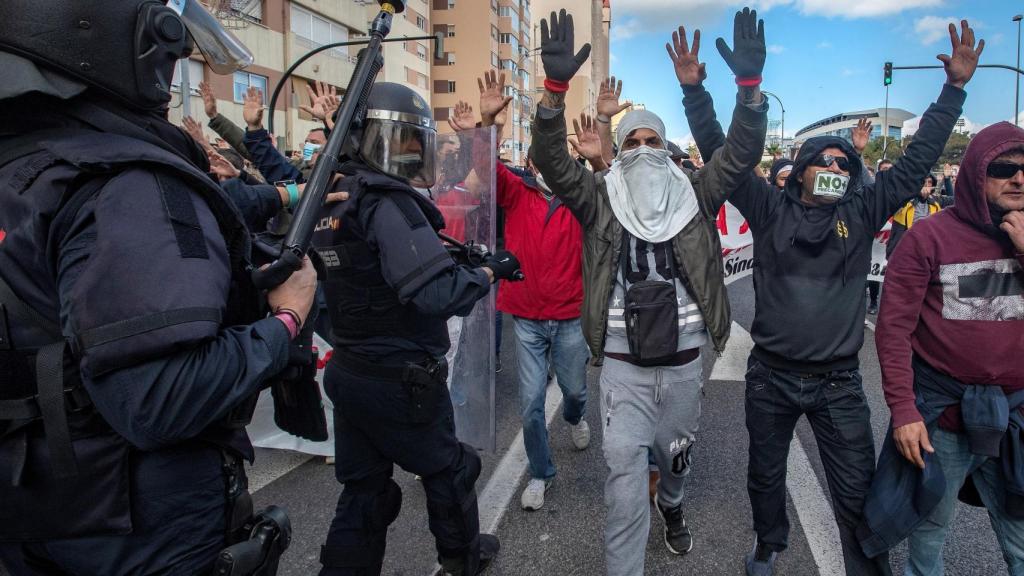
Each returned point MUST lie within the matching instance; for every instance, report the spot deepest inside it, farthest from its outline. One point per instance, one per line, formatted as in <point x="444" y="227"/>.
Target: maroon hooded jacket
<point x="954" y="293"/>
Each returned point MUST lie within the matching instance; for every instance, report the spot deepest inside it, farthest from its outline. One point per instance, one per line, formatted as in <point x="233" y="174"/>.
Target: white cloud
<point x="775" y="49"/>
<point x="852" y="9"/>
<point x="846" y="72"/>
<point x="626" y="28"/>
<point x="910" y="126"/>
<point x="931" y="29"/>
<point x="824" y="45"/>
<point x="996" y="38"/>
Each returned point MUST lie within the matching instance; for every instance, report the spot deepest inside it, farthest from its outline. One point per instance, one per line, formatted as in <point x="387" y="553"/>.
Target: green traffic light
<point x="887" y="79"/>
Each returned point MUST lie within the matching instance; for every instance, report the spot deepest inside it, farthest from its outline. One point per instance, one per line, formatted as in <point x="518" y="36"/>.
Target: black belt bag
<point x="423" y="385"/>
<point x="651" y="312"/>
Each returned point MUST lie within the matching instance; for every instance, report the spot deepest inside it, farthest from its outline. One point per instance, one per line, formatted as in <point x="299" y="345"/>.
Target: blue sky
<point x="824" y="56"/>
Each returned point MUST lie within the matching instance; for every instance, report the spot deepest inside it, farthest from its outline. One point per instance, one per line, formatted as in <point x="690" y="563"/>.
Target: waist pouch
<point x="651" y="313"/>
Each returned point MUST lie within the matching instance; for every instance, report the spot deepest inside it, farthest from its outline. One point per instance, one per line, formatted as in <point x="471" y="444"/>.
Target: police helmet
<point x="398" y="136"/>
<point x="126" y="48"/>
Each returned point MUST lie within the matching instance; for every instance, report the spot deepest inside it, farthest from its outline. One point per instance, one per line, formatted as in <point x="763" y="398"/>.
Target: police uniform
<point x="128" y="332"/>
<point x="390" y="287"/>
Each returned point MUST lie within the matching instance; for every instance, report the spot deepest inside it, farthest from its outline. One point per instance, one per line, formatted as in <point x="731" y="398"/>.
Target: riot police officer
<point x="390" y="286"/>
<point x="130" y="333"/>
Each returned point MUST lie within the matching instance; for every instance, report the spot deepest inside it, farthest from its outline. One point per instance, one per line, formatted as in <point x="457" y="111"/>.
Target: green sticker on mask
<point x="830" y="185"/>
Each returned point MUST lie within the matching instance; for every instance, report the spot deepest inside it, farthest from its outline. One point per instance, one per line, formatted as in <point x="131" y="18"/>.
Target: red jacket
<point x="548" y="241"/>
<point x="954" y="293"/>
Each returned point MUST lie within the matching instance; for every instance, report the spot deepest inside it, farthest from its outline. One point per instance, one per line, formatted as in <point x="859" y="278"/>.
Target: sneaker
<point x="533" y="494"/>
<point x="489" y="547"/>
<point x="873" y="308"/>
<point x="761" y="560"/>
<point x="652" y="484"/>
<point x="497" y="365"/>
<point x="580" y="434"/>
<point x="677" y="534"/>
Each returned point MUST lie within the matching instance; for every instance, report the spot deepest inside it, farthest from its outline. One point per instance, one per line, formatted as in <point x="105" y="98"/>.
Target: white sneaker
<point x="533" y="494"/>
<point x="580" y="434"/>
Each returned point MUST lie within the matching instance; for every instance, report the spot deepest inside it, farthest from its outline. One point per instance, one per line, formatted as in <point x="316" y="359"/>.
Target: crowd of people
<point x="122" y="384"/>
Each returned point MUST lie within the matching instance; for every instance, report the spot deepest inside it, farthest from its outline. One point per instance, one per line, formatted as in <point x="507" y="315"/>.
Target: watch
<point x="293" y="192"/>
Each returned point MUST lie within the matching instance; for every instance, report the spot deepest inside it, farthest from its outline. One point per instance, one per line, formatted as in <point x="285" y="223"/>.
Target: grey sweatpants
<point x="654" y="409"/>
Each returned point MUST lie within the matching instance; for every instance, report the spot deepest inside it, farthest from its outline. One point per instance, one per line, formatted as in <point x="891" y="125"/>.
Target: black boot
<point x="476" y="563"/>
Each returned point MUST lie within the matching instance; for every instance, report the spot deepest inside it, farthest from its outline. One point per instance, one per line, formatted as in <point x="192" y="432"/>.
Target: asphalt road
<point x="566" y="536"/>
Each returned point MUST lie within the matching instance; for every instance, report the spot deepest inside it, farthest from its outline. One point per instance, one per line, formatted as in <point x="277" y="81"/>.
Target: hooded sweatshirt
<point x="811" y="262"/>
<point x="954" y="293"/>
<point x="777" y="167"/>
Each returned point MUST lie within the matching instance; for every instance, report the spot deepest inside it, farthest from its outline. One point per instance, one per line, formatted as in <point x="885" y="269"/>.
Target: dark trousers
<point x="837" y="410"/>
<point x="373" y="431"/>
<point x="874" y="287"/>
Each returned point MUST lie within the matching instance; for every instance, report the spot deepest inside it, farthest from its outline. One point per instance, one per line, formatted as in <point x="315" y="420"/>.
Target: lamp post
<point x="1016" y="98"/>
<point x="782" y="139"/>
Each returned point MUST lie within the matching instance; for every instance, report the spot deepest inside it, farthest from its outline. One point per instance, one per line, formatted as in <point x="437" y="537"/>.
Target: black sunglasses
<point x="826" y="160"/>
<point x="1003" y="170"/>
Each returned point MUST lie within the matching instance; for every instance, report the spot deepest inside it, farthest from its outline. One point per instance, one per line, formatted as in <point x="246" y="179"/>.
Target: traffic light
<point x="888" y="74"/>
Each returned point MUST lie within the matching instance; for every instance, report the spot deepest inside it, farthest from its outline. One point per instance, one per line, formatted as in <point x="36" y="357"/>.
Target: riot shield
<point x="465" y="194"/>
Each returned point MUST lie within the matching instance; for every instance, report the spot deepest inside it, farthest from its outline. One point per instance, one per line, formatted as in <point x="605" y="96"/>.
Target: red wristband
<point x="289" y="323"/>
<point x="748" y="82"/>
<point x="555" y="85"/>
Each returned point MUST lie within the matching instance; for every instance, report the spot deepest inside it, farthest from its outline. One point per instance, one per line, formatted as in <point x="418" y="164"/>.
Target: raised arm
<point x="894" y="188"/>
<point x="587" y="141"/>
<point x="607" y="107"/>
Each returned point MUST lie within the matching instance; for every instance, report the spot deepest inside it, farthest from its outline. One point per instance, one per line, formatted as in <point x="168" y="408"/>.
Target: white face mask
<point x="650" y="196"/>
<point x="830" y="185"/>
<point x="308" y="149"/>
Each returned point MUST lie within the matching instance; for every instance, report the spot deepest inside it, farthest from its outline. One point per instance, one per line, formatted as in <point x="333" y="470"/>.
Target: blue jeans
<point x="957" y="462"/>
<point x="569" y="355"/>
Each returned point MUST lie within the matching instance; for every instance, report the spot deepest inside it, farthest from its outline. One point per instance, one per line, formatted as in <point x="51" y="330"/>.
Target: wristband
<point x="603" y="119"/>
<point x="748" y="82"/>
<point x="552" y="85"/>
<point x="293" y="192"/>
<point x="289" y="322"/>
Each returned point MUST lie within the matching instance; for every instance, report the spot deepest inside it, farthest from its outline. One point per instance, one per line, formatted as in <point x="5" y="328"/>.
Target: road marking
<point x="496" y="496"/>
<point x="733" y="363"/>
<point x="869" y="324"/>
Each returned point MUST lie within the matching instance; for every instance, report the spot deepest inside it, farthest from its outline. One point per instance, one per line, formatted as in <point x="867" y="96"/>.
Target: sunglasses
<point x="1003" y="170"/>
<point x="826" y="160"/>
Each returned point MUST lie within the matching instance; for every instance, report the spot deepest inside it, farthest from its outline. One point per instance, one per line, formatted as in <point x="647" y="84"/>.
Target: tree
<point x="953" y="153"/>
<point x="774" y="150"/>
<point x="873" y="151"/>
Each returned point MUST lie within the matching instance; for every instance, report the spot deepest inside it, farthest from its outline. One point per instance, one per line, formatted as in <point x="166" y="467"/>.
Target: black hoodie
<point x="810" y="263"/>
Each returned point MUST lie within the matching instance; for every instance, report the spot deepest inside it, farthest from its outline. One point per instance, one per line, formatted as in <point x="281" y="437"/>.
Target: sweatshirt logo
<point x="841" y="230"/>
<point x="990" y="290"/>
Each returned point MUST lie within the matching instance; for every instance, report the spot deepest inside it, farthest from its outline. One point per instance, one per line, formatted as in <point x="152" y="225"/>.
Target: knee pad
<point x="370" y="506"/>
<point x="467" y="469"/>
<point x="451" y="501"/>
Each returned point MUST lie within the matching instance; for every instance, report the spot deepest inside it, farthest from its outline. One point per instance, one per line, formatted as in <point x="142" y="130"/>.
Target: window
<point x="494" y="33"/>
<point x="494" y="6"/>
<point x="451" y="31"/>
<point x="421" y="81"/>
<point x="421" y="51"/>
<point x="243" y="80"/>
<point x="451" y="4"/>
<point x="509" y="65"/>
<point x="451" y="86"/>
<point x="451" y="59"/>
<point x="494" y="60"/>
<point x="195" y="76"/>
<point x="511" y="40"/>
<point x="317" y="31"/>
<point x="442" y="114"/>
<point x="247" y="9"/>
<point x="421" y="22"/>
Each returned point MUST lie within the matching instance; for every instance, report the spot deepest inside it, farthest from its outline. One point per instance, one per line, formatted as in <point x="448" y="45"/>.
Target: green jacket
<point x="231" y="133"/>
<point x="697" y="247"/>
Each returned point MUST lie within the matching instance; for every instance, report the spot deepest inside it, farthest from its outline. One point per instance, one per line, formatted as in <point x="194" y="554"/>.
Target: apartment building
<point x="279" y="32"/>
<point x="482" y="35"/>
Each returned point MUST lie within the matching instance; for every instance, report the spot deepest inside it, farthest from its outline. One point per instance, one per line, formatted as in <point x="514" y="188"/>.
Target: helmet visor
<point x="224" y="53"/>
<point x="404" y="150"/>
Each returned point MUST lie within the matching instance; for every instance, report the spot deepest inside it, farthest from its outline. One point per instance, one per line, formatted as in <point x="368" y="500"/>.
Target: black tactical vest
<point x="63" y="471"/>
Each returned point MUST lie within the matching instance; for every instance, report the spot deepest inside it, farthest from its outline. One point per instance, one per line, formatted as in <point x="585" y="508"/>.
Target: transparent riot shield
<point x="465" y="194"/>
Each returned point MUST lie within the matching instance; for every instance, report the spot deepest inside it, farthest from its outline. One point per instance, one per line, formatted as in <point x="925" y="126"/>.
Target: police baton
<point x="300" y="233"/>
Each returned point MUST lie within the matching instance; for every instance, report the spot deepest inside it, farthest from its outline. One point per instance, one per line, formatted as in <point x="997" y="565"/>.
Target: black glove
<point x="556" y="48"/>
<point x="504" y="265"/>
<point x="746" y="59"/>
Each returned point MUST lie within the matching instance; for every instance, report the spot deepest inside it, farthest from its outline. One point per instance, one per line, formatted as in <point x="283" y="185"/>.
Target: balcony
<point x="331" y="66"/>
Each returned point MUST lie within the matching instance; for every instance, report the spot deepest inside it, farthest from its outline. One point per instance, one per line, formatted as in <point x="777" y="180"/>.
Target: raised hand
<point x="608" y="98"/>
<point x="209" y="99"/>
<point x="322" y="99"/>
<point x="492" y="96"/>
<point x="746" y="58"/>
<point x="195" y="131"/>
<point x="462" y="117"/>
<point x="689" y="69"/>
<point x="557" y="38"/>
<point x="861" y="135"/>
<point x="961" y="65"/>
<point x="252" y="108"/>
<point x="220" y="166"/>
<point x="587" y="141"/>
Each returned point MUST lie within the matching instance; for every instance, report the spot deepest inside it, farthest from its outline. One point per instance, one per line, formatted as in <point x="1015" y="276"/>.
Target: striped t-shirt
<point x="649" y="261"/>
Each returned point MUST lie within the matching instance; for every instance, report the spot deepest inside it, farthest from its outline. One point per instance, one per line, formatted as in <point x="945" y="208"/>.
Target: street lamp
<point x="782" y="140"/>
<point x="1016" y="99"/>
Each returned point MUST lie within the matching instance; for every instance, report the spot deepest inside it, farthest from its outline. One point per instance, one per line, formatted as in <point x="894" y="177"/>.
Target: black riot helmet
<point x="398" y="134"/>
<point x="126" y="48"/>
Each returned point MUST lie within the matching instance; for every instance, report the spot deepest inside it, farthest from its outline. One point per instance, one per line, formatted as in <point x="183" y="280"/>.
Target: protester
<point x="812" y="252"/>
<point x="232" y="134"/>
<point x="274" y="166"/>
<point x="949" y="343"/>
<point x="545" y="308"/>
<point x="662" y="232"/>
<point x="928" y="202"/>
<point x="779" y="172"/>
<point x="122" y="453"/>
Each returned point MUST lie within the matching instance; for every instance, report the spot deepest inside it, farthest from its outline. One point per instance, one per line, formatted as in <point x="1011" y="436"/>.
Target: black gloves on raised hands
<point x="556" y="50"/>
<point x="746" y="58"/>
<point x="504" y="265"/>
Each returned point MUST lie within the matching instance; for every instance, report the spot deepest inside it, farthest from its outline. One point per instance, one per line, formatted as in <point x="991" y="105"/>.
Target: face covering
<point x="830" y="185"/>
<point x="308" y="149"/>
<point x="650" y="196"/>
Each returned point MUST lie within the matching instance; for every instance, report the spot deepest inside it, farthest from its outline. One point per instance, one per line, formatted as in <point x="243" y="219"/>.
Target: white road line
<point x="869" y="324"/>
<point x="496" y="496"/>
<point x="814" y="511"/>
<point x="733" y="363"/>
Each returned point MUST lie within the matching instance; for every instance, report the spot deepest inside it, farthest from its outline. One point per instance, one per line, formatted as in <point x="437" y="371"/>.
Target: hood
<point x="810" y="150"/>
<point x="637" y="119"/>
<point x="777" y="167"/>
<point x="987" y="145"/>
